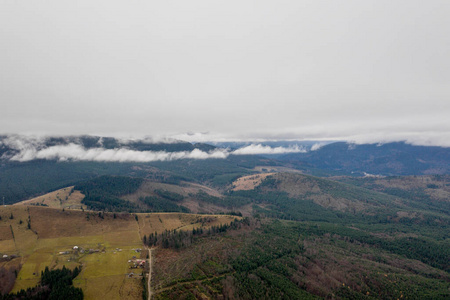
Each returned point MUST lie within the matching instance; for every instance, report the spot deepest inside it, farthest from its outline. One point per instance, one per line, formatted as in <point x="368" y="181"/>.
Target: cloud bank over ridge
<point x="31" y="148"/>
<point x="261" y="149"/>
<point x="73" y="152"/>
<point x="359" y="71"/>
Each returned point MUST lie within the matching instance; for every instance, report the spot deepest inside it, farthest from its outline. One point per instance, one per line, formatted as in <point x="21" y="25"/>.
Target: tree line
<point x="178" y="239"/>
<point x="54" y="284"/>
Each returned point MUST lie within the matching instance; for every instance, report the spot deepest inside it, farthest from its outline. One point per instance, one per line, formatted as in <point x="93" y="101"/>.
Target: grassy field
<point x="103" y="274"/>
<point x="45" y="237"/>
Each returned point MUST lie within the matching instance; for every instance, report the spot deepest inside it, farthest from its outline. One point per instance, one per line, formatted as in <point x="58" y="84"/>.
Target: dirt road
<point x="150" y="264"/>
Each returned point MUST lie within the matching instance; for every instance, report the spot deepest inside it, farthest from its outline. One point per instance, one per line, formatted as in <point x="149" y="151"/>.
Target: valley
<point x="244" y="227"/>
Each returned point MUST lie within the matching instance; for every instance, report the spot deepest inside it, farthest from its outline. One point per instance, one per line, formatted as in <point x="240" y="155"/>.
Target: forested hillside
<point x="272" y="259"/>
<point x="381" y="159"/>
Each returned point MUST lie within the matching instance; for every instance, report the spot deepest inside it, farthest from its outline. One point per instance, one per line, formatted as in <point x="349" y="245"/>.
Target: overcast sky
<point x="227" y="70"/>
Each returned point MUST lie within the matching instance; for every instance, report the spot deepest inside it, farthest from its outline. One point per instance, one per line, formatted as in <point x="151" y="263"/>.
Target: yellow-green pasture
<point x="104" y="274"/>
<point x="43" y="237"/>
<point x="103" y="271"/>
<point x="50" y="241"/>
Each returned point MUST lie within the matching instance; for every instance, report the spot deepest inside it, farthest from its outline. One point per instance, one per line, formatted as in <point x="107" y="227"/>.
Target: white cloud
<point x="260" y="149"/>
<point x="157" y="139"/>
<point x="317" y="146"/>
<point x="26" y="148"/>
<point x="74" y="152"/>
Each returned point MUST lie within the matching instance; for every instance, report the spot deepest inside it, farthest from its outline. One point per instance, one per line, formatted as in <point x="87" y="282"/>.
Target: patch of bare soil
<point x="185" y="188"/>
<point x="249" y="182"/>
<point x="276" y="169"/>
<point x="194" y="188"/>
<point x="8" y="272"/>
<point x="201" y="207"/>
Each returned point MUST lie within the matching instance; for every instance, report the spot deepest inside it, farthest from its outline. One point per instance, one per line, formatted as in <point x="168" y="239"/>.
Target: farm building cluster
<point x="136" y="263"/>
<point x="80" y="250"/>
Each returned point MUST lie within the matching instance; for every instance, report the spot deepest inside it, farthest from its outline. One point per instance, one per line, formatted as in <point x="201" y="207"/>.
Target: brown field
<point x="296" y="185"/>
<point x="193" y="188"/>
<point x="249" y="182"/>
<point x="300" y="185"/>
<point x="67" y="198"/>
<point x="172" y="266"/>
<point x="439" y="192"/>
<point x="197" y="207"/>
<point x="186" y="188"/>
<point x="435" y="186"/>
<point x="7" y="273"/>
<point x="148" y="187"/>
<point x="108" y="242"/>
<point x="64" y="198"/>
<point x="275" y="169"/>
<point x="158" y="222"/>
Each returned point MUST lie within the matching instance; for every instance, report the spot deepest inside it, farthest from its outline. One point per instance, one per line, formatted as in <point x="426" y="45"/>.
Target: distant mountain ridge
<point x="20" y="180"/>
<point x="389" y="159"/>
<point x="338" y="158"/>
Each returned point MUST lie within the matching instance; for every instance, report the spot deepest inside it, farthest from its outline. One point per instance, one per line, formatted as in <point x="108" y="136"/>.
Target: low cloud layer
<point x="73" y="152"/>
<point x="420" y="132"/>
<point x="261" y="149"/>
<point x="31" y="148"/>
<point x="317" y="146"/>
<point x="26" y="148"/>
<point x="359" y="71"/>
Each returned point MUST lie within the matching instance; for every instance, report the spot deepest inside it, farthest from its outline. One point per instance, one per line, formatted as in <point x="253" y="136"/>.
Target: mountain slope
<point x="386" y="159"/>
